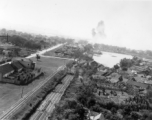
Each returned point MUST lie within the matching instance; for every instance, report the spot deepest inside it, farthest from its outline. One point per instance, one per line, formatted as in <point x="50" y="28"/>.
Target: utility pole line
<point x="22" y="91"/>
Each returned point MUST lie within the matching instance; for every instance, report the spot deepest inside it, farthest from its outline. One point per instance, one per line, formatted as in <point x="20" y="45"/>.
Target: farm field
<point x="10" y="94"/>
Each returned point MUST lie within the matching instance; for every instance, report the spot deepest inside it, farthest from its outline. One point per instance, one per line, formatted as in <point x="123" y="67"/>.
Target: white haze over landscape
<point x="123" y="23"/>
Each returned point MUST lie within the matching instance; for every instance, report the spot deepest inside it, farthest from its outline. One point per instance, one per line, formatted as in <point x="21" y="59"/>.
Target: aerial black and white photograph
<point x="75" y="59"/>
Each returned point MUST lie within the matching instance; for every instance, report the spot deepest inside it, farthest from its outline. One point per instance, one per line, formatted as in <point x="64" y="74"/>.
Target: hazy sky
<point x="127" y="23"/>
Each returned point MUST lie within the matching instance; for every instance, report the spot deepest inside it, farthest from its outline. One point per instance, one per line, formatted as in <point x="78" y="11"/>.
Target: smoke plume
<point x="100" y="28"/>
<point x="98" y="33"/>
<point x="93" y="32"/>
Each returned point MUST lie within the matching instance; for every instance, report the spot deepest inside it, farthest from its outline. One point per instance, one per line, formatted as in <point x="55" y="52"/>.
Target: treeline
<point x="123" y="50"/>
<point x="31" y="41"/>
<point x="22" y="42"/>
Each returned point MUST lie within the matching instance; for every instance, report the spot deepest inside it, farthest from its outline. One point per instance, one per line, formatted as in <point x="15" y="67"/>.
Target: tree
<point x="67" y="112"/>
<point x="149" y="93"/>
<point x="73" y="116"/>
<point x="70" y="41"/>
<point x="84" y="94"/>
<point x="77" y="55"/>
<point x="110" y="105"/>
<point x="60" y="108"/>
<point x="97" y="108"/>
<point x="149" y="52"/>
<point x="125" y="63"/>
<point x="69" y="65"/>
<point x="82" y="112"/>
<point x="32" y="41"/>
<point x="149" y="117"/>
<point x="83" y="42"/>
<point x="115" y="117"/>
<point x="126" y="110"/>
<point x="121" y="78"/>
<point x="113" y="110"/>
<point x="87" y="58"/>
<point x="91" y="102"/>
<point x="116" y="67"/>
<point x="108" y="115"/>
<point x="97" y="46"/>
<point x="88" y="48"/>
<point x="71" y="103"/>
<point x="135" y="116"/>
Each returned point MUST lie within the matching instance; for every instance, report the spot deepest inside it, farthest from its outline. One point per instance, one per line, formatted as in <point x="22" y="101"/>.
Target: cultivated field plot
<point x="10" y="94"/>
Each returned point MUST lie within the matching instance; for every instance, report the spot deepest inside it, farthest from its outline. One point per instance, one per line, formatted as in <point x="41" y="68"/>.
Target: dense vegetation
<point x="31" y="41"/>
<point x="82" y="97"/>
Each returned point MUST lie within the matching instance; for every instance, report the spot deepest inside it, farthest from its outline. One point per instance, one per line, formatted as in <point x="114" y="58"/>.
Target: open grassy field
<point x="10" y="94"/>
<point x="52" y="52"/>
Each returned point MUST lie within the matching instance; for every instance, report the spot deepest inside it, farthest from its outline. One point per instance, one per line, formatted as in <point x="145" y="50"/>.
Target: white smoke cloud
<point x="100" y="28"/>
<point x="98" y="33"/>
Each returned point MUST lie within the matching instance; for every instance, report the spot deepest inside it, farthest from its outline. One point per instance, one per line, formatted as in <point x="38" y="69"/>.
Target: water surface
<point x="110" y="59"/>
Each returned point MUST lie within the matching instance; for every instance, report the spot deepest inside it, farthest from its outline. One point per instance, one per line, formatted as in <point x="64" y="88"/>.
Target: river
<point x="110" y="59"/>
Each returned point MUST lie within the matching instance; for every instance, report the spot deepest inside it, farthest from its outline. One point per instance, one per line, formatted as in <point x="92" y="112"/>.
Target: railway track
<point x="48" y="105"/>
<point x="7" y="114"/>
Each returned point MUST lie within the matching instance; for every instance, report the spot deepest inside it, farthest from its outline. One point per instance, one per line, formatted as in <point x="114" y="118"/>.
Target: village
<point x="122" y="92"/>
<point x="75" y="60"/>
<point x="119" y="93"/>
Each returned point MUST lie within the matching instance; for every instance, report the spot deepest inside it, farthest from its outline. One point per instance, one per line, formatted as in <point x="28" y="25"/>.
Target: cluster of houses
<point x="17" y="71"/>
<point x="7" y="69"/>
<point x="114" y="86"/>
<point x="8" y="52"/>
<point x="66" y="51"/>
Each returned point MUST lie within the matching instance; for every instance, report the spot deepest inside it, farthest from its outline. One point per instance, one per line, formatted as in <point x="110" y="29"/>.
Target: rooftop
<point x="6" y="68"/>
<point x="138" y="84"/>
<point x="17" y="65"/>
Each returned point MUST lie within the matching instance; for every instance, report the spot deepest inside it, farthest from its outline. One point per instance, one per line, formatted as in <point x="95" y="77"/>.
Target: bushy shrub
<point x="125" y="63"/>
